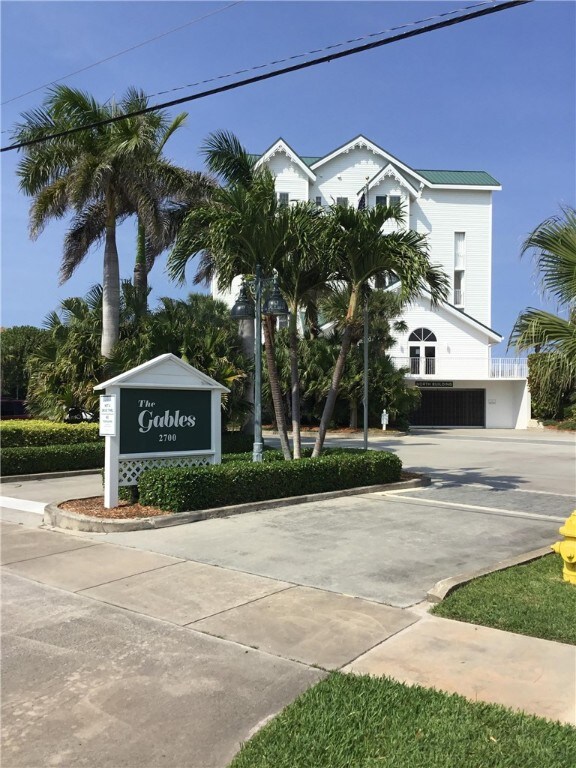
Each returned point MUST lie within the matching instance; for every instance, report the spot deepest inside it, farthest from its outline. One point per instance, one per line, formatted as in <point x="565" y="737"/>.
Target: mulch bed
<point x="94" y="507"/>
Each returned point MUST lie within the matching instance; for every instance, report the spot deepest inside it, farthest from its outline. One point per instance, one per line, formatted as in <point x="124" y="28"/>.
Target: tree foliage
<point x="100" y="176"/>
<point x="67" y="366"/>
<point x="16" y="345"/>
<point x="553" y="246"/>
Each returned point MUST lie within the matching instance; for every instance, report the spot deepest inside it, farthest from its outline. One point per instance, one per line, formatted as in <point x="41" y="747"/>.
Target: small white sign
<point x="108" y="415"/>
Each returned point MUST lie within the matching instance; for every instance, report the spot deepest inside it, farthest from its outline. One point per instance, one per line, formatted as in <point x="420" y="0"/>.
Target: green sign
<point x="164" y="420"/>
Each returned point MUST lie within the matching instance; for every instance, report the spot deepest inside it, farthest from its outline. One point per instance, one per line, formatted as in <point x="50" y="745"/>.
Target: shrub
<point x="237" y="482"/>
<point x="35" y="433"/>
<point x="52" y="458"/>
<point x="549" y="389"/>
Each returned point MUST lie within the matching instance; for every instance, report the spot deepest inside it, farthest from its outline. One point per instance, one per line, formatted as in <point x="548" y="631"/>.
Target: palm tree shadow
<point x="455" y="478"/>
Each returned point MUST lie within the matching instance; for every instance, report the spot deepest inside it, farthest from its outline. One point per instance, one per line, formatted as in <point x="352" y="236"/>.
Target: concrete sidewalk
<point x="275" y="622"/>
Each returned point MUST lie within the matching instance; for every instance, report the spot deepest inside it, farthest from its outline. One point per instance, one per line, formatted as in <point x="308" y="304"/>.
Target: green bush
<point x="550" y="390"/>
<point x="35" y="433"/>
<point x="52" y="458"/>
<point x="237" y="482"/>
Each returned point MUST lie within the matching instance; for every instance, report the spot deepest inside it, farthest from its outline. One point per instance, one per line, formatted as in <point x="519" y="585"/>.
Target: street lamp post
<point x="245" y="309"/>
<point x="366" y="361"/>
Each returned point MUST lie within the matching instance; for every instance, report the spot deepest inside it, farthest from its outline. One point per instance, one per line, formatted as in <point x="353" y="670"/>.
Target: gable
<point x="165" y="371"/>
<point x="282" y="147"/>
<point x="390" y="171"/>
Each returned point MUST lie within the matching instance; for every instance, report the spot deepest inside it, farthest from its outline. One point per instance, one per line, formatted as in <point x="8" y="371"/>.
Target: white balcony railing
<point x="458" y="297"/>
<point x="463" y="367"/>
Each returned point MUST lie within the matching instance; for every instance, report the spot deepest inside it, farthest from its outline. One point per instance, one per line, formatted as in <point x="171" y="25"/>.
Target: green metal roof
<point x="468" y="178"/>
<point x="457" y="178"/>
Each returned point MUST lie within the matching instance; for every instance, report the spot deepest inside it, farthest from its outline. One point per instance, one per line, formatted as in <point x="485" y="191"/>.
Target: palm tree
<point x="302" y="279"/>
<point x="101" y="175"/>
<point x="359" y="251"/>
<point x="384" y="309"/>
<point x="553" y="243"/>
<point x="191" y="189"/>
<point x="238" y="229"/>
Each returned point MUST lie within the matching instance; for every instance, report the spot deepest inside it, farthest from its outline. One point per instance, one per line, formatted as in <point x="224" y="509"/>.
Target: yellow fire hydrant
<point x="567" y="548"/>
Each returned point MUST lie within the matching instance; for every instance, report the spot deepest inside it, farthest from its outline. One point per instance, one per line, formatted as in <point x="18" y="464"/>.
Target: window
<point x="318" y="201"/>
<point x="422" y="334"/>
<point x="283" y="198"/>
<point x="422" y="355"/>
<point x="388" y="199"/>
<point x="459" y="250"/>
<point x="342" y="201"/>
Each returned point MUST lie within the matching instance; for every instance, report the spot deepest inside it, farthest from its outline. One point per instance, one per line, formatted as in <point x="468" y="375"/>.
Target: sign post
<point x="161" y="413"/>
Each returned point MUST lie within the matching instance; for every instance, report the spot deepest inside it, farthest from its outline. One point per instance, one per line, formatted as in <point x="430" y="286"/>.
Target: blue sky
<point x="495" y="94"/>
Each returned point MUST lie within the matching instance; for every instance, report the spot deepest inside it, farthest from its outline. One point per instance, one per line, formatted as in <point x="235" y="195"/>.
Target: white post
<point x="112" y="452"/>
<point x="216" y="404"/>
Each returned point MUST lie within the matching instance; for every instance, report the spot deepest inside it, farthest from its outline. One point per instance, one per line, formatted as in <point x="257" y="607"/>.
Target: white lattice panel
<point x="129" y="470"/>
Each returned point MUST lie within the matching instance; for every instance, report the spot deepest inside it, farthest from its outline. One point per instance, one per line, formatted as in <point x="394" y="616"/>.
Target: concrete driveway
<point x="168" y="647"/>
<point x="495" y="494"/>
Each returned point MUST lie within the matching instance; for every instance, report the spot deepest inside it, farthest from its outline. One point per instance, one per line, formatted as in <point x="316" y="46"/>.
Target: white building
<point x="447" y="349"/>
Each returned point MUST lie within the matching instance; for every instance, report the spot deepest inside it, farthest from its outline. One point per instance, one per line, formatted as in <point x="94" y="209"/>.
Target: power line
<point x="125" y="50"/>
<point x="285" y="70"/>
<point x="307" y="53"/>
<point x="319" y="50"/>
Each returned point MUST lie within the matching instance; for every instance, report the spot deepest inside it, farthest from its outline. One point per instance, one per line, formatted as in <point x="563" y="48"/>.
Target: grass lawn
<point x="364" y="722"/>
<point x="530" y="599"/>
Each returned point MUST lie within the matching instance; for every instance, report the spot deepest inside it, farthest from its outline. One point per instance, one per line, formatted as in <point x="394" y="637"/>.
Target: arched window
<point x="422" y="334"/>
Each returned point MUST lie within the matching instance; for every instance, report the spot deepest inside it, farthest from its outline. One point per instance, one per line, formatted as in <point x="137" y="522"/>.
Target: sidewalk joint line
<point x="122" y="578"/>
<point x="39" y="557"/>
<point x="240" y="605"/>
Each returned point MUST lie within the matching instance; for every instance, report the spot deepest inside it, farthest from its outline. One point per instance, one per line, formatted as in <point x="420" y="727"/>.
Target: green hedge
<point x="52" y="458"/>
<point x="35" y="433"/>
<point x="191" y="488"/>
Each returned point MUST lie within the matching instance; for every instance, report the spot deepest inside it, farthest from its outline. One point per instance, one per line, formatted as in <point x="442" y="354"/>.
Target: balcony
<point x="458" y="297"/>
<point x="463" y="367"/>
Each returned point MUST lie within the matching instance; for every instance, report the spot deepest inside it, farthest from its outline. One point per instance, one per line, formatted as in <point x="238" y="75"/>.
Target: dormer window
<point x="388" y="199"/>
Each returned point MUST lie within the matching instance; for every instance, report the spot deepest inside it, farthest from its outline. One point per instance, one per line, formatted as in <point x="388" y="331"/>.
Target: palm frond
<point x="226" y="157"/>
<point x="554" y="245"/>
<point x="88" y="228"/>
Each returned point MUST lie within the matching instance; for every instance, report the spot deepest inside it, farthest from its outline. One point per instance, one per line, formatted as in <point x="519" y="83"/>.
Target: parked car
<point x="13" y="409"/>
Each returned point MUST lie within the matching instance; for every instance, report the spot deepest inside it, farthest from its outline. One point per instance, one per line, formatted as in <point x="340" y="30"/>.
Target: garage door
<point x="451" y="408"/>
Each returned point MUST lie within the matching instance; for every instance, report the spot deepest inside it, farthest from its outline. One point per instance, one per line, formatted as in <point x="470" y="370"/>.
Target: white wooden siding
<point x="455" y="337"/>
<point x="439" y="213"/>
<point x="289" y="177"/>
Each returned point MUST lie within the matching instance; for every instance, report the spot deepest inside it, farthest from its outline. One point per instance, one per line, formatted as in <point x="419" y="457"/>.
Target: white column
<point x="112" y="452"/>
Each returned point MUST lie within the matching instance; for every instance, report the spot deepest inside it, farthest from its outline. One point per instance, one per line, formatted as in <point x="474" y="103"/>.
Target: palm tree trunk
<point x="275" y="388"/>
<point x="295" y="381"/>
<point x="140" y="271"/>
<point x="353" y="413"/>
<point x="333" y="391"/>
<point x="110" y="289"/>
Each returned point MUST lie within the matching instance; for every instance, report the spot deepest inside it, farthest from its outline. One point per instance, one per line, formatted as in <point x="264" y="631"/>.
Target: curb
<point x="60" y="518"/>
<point x="50" y="475"/>
<point x="443" y="587"/>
